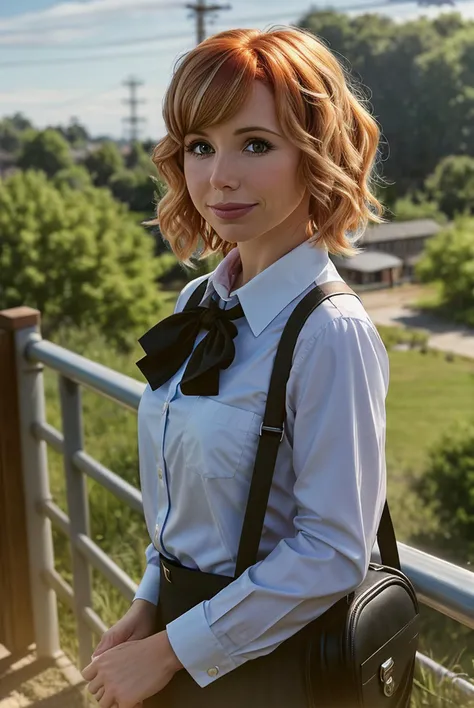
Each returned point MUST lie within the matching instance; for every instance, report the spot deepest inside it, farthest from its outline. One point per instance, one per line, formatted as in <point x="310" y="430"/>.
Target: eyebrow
<point x="239" y="131"/>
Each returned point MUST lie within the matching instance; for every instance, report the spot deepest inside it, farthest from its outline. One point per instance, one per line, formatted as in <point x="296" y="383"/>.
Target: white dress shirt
<point x="196" y="457"/>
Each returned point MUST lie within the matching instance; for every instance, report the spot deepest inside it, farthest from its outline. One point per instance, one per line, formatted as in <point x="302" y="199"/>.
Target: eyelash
<point x="189" y="148"/>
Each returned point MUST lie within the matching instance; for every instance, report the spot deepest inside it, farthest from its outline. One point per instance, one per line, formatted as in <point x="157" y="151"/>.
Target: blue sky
<point x="70" y="58"/>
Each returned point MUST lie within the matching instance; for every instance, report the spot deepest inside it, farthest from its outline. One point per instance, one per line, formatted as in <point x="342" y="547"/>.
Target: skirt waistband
<point x="182" y="588"/>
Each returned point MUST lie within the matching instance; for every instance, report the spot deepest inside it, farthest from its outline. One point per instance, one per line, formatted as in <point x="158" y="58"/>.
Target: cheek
<point x="279" y="179"/>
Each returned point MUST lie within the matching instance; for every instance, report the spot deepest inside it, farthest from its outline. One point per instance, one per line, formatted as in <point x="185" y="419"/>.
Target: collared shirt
<point x="196" y="457"/>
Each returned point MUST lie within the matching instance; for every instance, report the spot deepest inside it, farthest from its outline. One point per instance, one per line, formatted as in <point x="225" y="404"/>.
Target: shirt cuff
<point x="197" y="647"/>
<point x="149" y="588"/>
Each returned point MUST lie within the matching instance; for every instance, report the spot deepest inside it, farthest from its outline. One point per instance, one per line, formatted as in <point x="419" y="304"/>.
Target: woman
<point x="275" y="212"/>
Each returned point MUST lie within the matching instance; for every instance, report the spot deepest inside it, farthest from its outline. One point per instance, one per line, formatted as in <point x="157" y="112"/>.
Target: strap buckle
<point x="166" y="572"/>
<point x="269" y="429"/>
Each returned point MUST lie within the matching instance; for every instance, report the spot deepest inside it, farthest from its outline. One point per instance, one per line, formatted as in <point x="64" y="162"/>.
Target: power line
<point x="170" y="4"/>
<point x="201" y="9"/>
<point x="160" y="52"/>
<point x="125" y="42"/>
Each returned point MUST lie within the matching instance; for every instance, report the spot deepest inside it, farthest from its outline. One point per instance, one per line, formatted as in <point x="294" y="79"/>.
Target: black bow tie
<point x="169" y="343"/>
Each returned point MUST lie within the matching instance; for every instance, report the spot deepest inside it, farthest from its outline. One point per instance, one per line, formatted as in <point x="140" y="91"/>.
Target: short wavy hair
<point x="318" y="110"/>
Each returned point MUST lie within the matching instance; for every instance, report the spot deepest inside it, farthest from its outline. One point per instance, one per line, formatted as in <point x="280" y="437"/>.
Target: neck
<point x="259" y="253"/>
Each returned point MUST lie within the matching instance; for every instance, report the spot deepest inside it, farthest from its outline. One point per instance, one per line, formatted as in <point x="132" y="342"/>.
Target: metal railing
<point x="442" y="586"/>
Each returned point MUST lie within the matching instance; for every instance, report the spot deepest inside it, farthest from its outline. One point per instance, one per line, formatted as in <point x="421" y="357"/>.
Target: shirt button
<point x="160" y="473"/>
<point x="213" y="671"/>
<point x="165" y="406"/>
<point x="157" y="534"/>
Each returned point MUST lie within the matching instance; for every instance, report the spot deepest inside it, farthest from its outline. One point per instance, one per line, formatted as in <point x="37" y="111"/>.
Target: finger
<point x="94" y="685"/>
<point x="98" y="695"/>
<point x="105" y="643"/>
<point x="90" y="671"/>
<point x="108" y="701"/>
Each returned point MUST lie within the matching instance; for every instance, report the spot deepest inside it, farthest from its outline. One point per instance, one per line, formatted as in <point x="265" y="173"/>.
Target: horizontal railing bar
<point x="94" y="469"/>
<point x="118" y="387"/>
<point x="46" y="432"/>
<point x="108" y="479"/>
<point x="93" y="621"/>
<point x="106" y="566"/>
<point x="55" y="514"/>
<point x="55" y="581"/>
<point x="445" y="587"/>
<point x="443" y="673"/>
<point x="66" y="594"/>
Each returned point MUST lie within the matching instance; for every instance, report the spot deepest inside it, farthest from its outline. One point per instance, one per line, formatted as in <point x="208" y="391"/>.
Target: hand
<point x="137" y="623"/>
<point x="126" y="675"/>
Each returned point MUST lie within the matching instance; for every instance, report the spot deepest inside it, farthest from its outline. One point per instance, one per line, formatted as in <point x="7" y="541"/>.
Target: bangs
<point x="206" y="93"/>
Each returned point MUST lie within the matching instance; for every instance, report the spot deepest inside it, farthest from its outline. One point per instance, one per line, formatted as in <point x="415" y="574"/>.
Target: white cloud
<point x="64" y="21"/>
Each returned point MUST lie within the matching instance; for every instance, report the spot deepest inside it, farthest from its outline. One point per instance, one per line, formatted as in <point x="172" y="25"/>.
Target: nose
<point x="224" y="173"/>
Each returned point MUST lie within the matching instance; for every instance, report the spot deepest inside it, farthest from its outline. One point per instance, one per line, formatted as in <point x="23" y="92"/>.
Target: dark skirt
<point x="277" y="680"/>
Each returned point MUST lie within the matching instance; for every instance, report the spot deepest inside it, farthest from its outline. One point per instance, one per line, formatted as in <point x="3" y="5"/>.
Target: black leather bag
<point x="361" y="652"/>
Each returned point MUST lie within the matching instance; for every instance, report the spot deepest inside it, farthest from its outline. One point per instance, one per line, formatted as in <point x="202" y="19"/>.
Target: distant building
<point x="391" y="252"/>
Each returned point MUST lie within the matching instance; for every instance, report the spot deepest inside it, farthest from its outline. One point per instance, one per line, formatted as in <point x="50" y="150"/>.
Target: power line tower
<point x="133" y="119"/>
<point x="201" y="9"/>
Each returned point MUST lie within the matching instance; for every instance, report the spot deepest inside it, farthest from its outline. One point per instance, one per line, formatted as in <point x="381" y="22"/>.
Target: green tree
<point x="77" y="256"/>
<point x="447" y="486"/>
<point x="417" y="206"/>
<point x="77" y="177"/>
<point x="44" y="150"/>
<point x="135" y="188"/>
<point x="449" y="259"/>
<point x="104" y="162"/>
<point x="416" y="78"/>
<point x="452" y="185"/>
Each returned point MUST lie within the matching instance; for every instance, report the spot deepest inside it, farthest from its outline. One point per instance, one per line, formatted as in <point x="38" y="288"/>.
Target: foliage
<point x="449" y="259"/>
<point x="392" y="336"/>
<point x="419" y="74"/>
<point x="11" y="129"/>
<point x="417" y="206"/>
<point x="44" y="150"/>
<point x="452" y="185"/>
<point x="77" y="177"/>
<point x="77" y="256"/>
<point x="447" y="485"/>
<point x="104" y="162"/>
<point x="133" y="187"/>
<point x="75" y="133"/>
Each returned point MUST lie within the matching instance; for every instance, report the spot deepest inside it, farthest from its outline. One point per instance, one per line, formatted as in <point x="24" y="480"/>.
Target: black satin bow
<point x="169" y="343"/>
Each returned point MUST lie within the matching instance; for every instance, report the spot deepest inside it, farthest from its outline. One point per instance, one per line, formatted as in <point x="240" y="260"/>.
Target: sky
<point x="69" y="59"/>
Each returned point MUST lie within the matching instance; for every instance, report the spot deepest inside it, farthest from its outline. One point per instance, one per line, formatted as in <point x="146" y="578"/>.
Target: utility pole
<point x="133" y="119"/>
<point x="201" y="9"/>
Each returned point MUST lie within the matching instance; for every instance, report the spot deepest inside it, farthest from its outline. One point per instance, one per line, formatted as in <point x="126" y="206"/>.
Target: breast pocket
<point x="218" y="439"/>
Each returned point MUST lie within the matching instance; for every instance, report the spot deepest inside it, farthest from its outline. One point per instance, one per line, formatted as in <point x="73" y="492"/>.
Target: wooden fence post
<point x="16" y="616"/>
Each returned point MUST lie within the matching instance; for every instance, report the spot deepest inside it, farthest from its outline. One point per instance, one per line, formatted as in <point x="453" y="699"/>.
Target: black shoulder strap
<point x="272" y="431"/>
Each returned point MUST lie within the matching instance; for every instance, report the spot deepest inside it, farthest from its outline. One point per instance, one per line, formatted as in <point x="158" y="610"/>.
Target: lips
<point x="232" y="213"/>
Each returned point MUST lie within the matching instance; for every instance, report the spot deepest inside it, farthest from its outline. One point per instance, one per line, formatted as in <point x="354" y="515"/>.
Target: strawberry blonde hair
<point x="318" y="112"/>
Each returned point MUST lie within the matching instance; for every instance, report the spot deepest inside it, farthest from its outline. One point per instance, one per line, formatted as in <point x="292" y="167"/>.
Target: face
<point x="229" y="163"/>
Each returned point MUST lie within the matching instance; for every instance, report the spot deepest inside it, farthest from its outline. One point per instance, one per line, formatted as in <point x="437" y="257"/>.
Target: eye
<point x="267" y="146"/>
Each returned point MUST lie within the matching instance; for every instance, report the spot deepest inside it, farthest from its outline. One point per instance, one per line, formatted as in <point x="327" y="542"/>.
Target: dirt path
<point x="395" y="307"/>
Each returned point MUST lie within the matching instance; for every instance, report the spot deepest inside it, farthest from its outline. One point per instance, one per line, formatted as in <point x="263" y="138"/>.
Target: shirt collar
<point x="269" y="292"/>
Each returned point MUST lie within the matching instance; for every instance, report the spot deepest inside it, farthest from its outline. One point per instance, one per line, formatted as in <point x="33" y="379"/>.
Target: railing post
<point x="20" y="324"/>
<point x="78" y="509"/>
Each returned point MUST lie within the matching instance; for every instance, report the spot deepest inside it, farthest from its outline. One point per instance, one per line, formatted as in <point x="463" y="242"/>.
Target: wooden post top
<point x="19" y="318"/>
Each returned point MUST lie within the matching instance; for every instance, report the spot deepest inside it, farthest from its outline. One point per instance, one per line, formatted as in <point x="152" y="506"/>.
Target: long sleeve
<point x="336" y="395"/>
